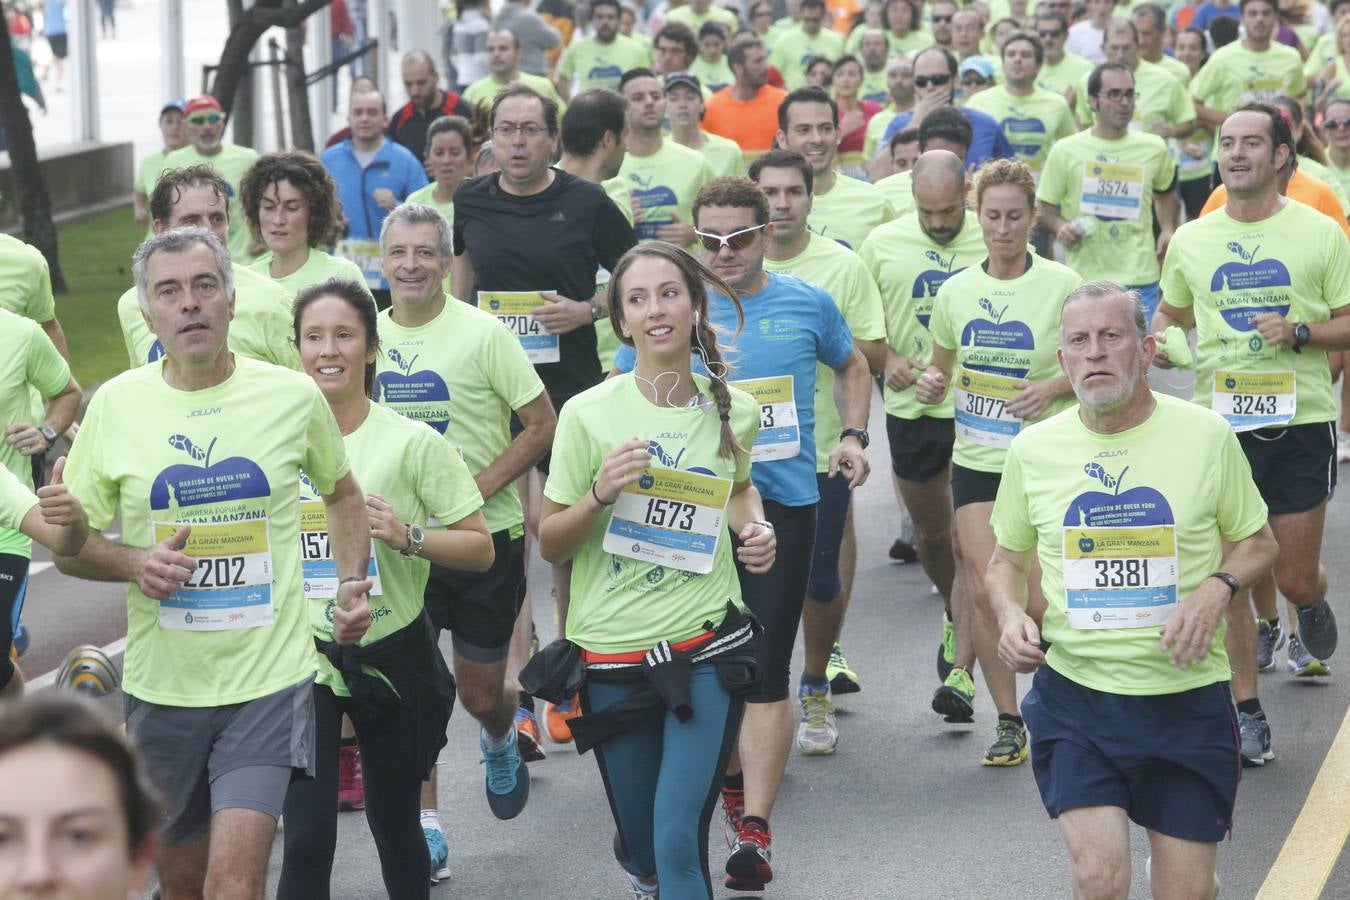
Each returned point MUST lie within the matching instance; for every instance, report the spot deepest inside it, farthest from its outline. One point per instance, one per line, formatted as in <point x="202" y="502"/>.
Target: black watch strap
<point x="859" y="433"/>
<point x="1233" y="584"/>
<point x="1302" y="335"/>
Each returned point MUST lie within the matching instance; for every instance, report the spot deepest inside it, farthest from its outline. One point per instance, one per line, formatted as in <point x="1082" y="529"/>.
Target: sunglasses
<point x="923" y="81"/>
<point x="1335" y="124"/>
<point x="209" y="119"/>
<point x="1047" y="35"/>
<point x="940" y="20"/>
<point x="737" y="240"/>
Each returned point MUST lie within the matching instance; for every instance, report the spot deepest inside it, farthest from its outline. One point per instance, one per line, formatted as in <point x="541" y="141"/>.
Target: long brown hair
<point x="703" y="339"/>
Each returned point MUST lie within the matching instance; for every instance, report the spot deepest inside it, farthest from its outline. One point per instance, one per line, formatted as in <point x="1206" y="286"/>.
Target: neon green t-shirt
<point x="910" y="267"/>
<point x="423" y="478"/>
<point x="898" y="189"/>
<point x="28" y="361"/>
<point x="686" y="16"/>
<point x="587" y="63"/>
<point x="16" y="499"/>
<point x="1172" y="66"/>
<point x="146" y="177"/>
<point x="606" y="341"/>
<point x="1111" y="183"/>
<point x="1323" y="52"/>
<point x="795" y="48"/>
<point x="1339" y="178"/>
<point x="844" y="277"/>
<point x="875" y="88"/>
<point x="1031" y="123"/>
<point x="1235" y="75"/>
<point x="912" y="43"/>
<point x="1002" y="332"/>
<point x="723" y="155"/>
<point x="318" y="268"/>
<point x="227" y="460"/>
<point x="462" y="373"/>
<point x="26" y="290"/>
<point x="261" y="329"/>
<point x="484" y="90"/>
<point x="1162" y="98"/>
<point x="1296" y="262"/>
<point x="621" y="604"/>
<point x="713" y="76"/>
<point x="1138" y="526"/>
<point x="1060" y="77"/>
<point x="876" y="130"/>
<point x="617" y="190"/>
<point x="664" y="185"/>
<point x="1309" y="166"/>
<point x="230" y="163"/>
<point x="427" y="195"/>
<point x="849" y="212"/>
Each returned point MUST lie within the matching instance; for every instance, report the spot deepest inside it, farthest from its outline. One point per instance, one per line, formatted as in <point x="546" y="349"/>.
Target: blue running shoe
<point x="508" y="779"/>
<point x="1255" y="732"/>
<point x="440" y="854"/>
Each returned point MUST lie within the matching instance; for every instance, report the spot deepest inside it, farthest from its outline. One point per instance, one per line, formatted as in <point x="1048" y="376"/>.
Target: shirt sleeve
<point x="1011" y="518"/>
<point x="612" y="236"/>
<point x="1180" y="109"/>
<point x="1165" y="170"/>
<point x="575" y="461"/>
<point x="835" y="341"/>
<point x="508" y="369"/>
<point x="1336" y="273"/>
<point x="441" y="479"/>
<point x="1176" y="291"/>
<point x="1051" y="188"/>
<point x="1241" y="511"/>
<point x="41" y="301"/>
<point x="862" y="306"/>
<point x="325" y="459"/>
<point x="625" y="358"/>
<point x="15" y="500"/>
<point x="45" y="368"/>
<point x="939" y="321"/>
<point x="86" y="473"/>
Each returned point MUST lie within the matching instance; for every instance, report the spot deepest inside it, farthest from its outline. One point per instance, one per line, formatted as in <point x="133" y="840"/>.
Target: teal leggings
<point x="662" y="780"/>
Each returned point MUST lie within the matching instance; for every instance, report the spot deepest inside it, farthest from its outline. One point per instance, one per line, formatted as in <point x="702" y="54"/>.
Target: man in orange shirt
<point x="1295" y="185"/>
<point x="746" y="111"/>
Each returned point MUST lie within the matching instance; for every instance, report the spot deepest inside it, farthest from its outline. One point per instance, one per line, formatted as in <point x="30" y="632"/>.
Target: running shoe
<point x="641" y="890"/>
<point x="817" y="731"/>
<point x="733" y="809"/>
<point x="1343" y="447"/>
<point x="1255" y="731"/>
<point x="955" y="699"/>
<point x="903" y="552"/>
<point x="1010" y="745"/>
<point x="351" y="787"/>
<point x="22" y="639"/>
<point x="1269" y="638"/>
<point x="528" y="739"/>
<point x="1317" y="626"/>
<point x="843" y="680"/>
<point x="508" y="779"/>
<point x="946" y="657"/>
<point x="748" y="866"/>
<point x="1301" y="663"/>
<point x="556" y="717"/>
<point x="87" y="670"/>
<point x="440" y="854"/>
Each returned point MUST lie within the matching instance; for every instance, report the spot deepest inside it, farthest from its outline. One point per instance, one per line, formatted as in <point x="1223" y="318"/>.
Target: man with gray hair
<point x="1131" y="538"/>
<point x="455" y="367"/>
<point x="200" y="456"/>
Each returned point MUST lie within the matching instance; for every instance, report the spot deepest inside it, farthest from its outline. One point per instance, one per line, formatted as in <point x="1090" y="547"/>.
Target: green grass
<point x="95" y="257"/>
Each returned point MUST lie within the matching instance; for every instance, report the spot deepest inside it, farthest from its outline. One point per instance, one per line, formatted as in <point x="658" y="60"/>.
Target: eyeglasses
<point x="737" y="240"/>
<point x="940" y="20"/>
<point x="1335" y="124"/>
<point x="510" y="130"/>
<point x="1115" y="96"/>
<point x="1048" y="35"/>
<point x="923" y="81"/>
<point x="209" y="119"/>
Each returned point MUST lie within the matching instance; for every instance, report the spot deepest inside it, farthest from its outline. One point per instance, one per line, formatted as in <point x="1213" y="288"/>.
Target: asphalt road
<point x="903" y="809"/>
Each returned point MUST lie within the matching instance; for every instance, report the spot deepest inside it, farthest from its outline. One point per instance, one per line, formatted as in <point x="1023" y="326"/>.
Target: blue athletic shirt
<point x="987" y="139"/>
<point x="789" y="327"/>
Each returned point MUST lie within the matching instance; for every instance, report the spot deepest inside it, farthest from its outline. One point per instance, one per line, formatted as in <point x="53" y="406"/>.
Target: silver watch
<point x="416" y="537"/>
<point x="49" y="434"/>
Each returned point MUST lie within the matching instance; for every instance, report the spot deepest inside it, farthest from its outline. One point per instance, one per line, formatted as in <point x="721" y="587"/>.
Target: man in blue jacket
<point x="373" y="176"/>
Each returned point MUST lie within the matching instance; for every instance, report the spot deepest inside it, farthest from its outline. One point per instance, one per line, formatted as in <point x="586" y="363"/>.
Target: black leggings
<point x="776" y="597"/>
<point x="393" y="807"/>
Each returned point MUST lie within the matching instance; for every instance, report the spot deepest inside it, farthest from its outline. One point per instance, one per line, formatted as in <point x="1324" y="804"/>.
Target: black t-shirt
<point x="409" y="125"/>
<point x="550" y="241"/>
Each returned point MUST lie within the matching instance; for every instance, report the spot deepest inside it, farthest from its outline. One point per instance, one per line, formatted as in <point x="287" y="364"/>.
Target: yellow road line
<point x="1309" y="853"/>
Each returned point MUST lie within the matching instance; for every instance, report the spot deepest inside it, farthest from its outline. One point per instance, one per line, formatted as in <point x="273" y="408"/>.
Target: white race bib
<point x="779" y="437"/>
<point x="232" y="584"/>
<point x="1120" y="577"/>
<point x="515" y="310"/>
<point x="670" y="517"/>
<point x="1251" y="400"/>
<point x="1112" y="190"/>
<point x="981" y="401"/>
<point x="316" y="556"/>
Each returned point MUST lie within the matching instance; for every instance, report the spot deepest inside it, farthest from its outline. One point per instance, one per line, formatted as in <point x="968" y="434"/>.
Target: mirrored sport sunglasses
<point x="207" y="119"/>
<point x="737" y="240"/>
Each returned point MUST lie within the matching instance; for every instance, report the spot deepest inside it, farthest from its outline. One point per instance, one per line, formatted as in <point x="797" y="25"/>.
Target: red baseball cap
<point x="205" y="101"/>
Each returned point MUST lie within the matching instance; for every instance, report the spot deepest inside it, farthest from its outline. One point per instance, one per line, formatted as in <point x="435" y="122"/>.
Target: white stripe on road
<point x="38" y="568"/>
<point x="48" y="679"/>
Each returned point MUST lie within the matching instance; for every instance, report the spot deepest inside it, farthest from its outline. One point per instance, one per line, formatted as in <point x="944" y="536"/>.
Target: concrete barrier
<point x="81" y="179"/>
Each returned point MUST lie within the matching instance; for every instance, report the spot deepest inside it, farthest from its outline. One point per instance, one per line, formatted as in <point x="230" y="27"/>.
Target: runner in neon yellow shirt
<point x="200" y="458"/>
<point x="684" y="109"/>
<point x="796" y="46"/>
<point x="1163" y="107"/>
<point x="875" y="52"/>
<point x="1061" y="71"/>
<point x="911" y="258"/>
<point x="711" y="64"/>
<point x="785" y="178"/>
<point x="1101" y="189"/>
<point x="693" y="445"/>
<point x="504" y="53"/>
<point x="1264" y="284"/>
<point x="449" y="162"/>
<point x="662" y="176"/>
<point x="1032" y="118"/>
<point x="599" y="61"/>
<point x="291" y="205"/>
<point x="693" y="14"/>
<point x="412" y="478"/>
<point x="843" y="208"/>
<point x="1142" y="552"/>
<point x="26" y="290"/>
<point x="261" y="327"/>
<point x="993" y="329"/>
<point x="900" y="93"/>
<point x="173" y="130"/>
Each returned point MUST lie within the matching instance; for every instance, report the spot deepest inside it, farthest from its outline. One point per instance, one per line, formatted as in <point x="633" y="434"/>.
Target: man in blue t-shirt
<point x="934" y="81"/>
<point x="790" y="326"/>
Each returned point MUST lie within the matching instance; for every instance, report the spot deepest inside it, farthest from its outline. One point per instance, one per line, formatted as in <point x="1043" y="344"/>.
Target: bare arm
<point x="57" y="335"/>
<point x="1005" y="581"/>
<point x="57" y="521"/>
<point x="464" y="544"/>
<point x="852" y="397"/>
<point x="349" y="540"/>
<point x="563" y="529"/>
<point x="874" y="352"/>
<point x="527" y="449"/>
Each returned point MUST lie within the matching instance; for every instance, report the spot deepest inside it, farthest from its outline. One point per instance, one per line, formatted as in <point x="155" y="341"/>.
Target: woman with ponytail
<point x="650" y="479"/>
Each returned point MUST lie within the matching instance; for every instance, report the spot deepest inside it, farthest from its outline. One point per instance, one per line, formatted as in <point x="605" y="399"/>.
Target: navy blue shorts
<point x="1170" y="761"/>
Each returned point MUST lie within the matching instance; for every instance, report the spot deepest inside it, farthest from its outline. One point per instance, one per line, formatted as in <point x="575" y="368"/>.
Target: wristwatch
<point x="49" y="434"/>
<point x="416" y="537"/>
<point x="597" y="312"/>
<point x="859" y="433"/>
<point x="1302" y="334"/>
<point x="1233" y="585"/>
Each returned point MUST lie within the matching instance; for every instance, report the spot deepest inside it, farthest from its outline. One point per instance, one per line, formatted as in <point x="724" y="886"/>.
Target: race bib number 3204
<point x="515" y="310"/>
<point x="231" y="587"/>
<point x="670" y="517"/>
